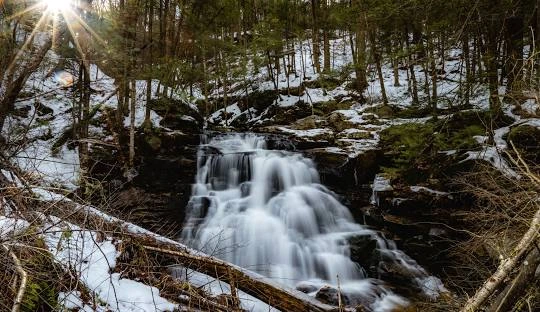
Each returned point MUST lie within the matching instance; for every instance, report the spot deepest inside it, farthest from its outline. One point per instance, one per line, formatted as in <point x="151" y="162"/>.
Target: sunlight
<point x="57" y="5"/>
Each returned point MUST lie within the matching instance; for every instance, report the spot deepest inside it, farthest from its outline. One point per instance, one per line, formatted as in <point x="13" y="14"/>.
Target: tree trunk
<point x="11" y="85"/>
<point x="316" y="47"/>
<point x="133" y="108"/>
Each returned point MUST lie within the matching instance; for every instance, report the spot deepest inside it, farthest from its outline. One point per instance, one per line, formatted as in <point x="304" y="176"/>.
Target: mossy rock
<point x="328" y="82"/>
<point x="166" y="107"/>
<point x="526" y="138"/>
<point x="184" y="123"/>
<point x="288" y="115"/>
<point x="413" y="112"/>
<point x="356" y="135"/>
<point x="154" y="142"/>
<point x="310" y="122"/>
<point x="324" y="108"/>
<point x="416" y="152"/>
<point x="339" y="122"/>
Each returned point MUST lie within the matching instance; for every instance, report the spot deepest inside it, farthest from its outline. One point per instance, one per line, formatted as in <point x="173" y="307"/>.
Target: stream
<point x="266" y="210"/>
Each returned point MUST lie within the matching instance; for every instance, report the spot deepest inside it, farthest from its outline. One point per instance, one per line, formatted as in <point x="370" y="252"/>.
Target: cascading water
<point x="266" y="211"/>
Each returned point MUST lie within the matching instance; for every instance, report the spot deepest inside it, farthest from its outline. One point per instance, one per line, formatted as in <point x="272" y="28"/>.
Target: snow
<point x="233" y="111"/>
<point x="431" y="287"/>
<point x="11" y="177"/>
<point x="531" y="106"/>
<point x="318" y="134"/>
<point x="217" y="287"/>
<point x="12" y="227"/>
<point x="420" y="189"/>
<point x="94" y="260"/>
<point x="493" y="153"/>
<point x="380" y="184"/>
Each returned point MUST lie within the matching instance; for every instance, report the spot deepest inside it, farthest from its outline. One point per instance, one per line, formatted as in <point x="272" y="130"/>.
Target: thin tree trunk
<point x="133" y="108"/>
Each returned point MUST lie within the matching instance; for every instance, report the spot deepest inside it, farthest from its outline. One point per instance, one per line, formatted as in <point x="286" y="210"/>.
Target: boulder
<point x="339" y="122"/>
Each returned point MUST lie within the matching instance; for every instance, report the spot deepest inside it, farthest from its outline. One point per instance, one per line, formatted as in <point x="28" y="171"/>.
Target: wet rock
<point x="198" y="206"/>
<point x="306" y="287"/>
<point x="245" y="189"/>
<point x="364" y="251"/>
<point x="338" y="170"/>
<point x="331" y="296"/>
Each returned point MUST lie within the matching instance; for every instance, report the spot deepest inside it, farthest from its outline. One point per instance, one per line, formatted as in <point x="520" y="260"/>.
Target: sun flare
<point x="57" y="5"/>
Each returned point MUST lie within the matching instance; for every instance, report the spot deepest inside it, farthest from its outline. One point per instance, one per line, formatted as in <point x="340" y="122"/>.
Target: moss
<point x="39" y="296"/>
<point x="154" y="142"/>
<point x="328" y="81"/>
<point x="413" y="151"/>
<point x="527" y="141"/>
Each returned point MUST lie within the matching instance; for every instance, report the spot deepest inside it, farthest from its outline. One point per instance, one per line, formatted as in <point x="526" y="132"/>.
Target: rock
<point x="181" y="122"/>
<point x="154" y="142"/>
<point x="526" y="138"/>
<point x="260" y="100"/>
<point x="22" y="111"/>
<point x="42" y="109"/>
<point x="289" y="114"/>
<point x="364" y="251"/>
<point x="339" y="122"/>
<point x="177" y="114"/>
<point x="331" y="296"/>
<point x="306" y="287"/>
<point x="245" y="189"/>
<point x="356" y="134"/>
<point x="338" y="170"/>
<point x="310" y="122"/>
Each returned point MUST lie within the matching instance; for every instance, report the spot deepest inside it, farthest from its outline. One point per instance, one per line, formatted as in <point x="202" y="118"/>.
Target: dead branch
<point x="23" y="275"/>
<point x="507" y="298"/>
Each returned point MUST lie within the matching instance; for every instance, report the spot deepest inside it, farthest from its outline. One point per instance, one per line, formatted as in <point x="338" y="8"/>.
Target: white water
<point x="266" y="211"/>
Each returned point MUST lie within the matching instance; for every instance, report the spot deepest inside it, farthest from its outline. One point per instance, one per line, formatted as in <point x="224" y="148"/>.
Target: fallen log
<point x="258" y="286"/>
<point x="513" y="292"/>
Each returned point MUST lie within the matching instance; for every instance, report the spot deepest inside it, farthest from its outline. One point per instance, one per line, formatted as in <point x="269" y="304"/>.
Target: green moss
<point x="413" y="151"/>
<point x="39" y="296"/>
<point x="154" y="142"/>
<point x="526" y="139"/>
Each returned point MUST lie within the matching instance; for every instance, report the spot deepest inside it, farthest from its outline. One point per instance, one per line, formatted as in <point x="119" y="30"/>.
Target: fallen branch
<point x="24" y="276"/>
<point x="508" y="297"/>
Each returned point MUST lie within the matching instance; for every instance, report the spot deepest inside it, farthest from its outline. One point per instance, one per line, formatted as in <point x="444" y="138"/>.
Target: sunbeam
<point x="57" y="5"/>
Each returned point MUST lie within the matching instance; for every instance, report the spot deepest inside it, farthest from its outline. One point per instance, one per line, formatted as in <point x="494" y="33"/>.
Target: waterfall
<point x="265" y="210"/>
